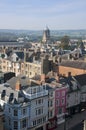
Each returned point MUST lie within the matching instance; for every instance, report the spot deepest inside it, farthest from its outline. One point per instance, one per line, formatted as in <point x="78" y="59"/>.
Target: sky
<point x="37" y="14"/>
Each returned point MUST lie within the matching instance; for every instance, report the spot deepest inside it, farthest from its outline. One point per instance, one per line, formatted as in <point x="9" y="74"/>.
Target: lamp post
<point x="65" y="124"/>
<point x="65" y="116"/>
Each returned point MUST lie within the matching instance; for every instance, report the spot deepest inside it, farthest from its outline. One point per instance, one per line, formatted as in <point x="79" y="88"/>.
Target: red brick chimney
<point x="18" y="85"/>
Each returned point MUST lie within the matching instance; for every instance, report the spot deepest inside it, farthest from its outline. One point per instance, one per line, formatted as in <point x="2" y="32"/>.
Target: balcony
<point x="61" y="118"/>
<point x="36" y="95"/>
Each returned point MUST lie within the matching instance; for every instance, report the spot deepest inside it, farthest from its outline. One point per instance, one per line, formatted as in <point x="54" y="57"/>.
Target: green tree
<point x="2" y="56"/>
<point x="65" y="42"/>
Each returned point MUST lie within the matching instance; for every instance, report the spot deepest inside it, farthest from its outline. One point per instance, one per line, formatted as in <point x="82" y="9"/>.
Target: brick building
<point x="75" y="67"/>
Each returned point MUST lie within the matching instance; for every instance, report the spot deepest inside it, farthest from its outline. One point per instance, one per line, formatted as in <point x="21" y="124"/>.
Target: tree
<point x="2" y="56"/>
<point x="65" y="42"/>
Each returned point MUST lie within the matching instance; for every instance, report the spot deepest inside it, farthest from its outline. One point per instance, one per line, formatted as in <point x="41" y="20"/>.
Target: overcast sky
<point x="36" y="14"/>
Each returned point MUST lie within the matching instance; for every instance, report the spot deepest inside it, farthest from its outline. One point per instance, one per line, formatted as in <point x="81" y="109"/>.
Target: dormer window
<point x="11" y="97"/>
<point x="3" y="93"/>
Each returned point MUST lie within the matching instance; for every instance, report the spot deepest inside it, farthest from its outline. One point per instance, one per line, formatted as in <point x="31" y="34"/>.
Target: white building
<point x="73" y="97"/>
<point x="25" y="107"/>
<point x="38" y="97"/>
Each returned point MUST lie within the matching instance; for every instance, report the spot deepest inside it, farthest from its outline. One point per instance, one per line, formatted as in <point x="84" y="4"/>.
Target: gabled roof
<point x="20" y="55"/>
<point x="24" y="81"/>
<point x="81" y="79"/>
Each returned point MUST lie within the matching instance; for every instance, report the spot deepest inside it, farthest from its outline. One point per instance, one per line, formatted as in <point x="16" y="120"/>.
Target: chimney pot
<point x="18" y="86"/>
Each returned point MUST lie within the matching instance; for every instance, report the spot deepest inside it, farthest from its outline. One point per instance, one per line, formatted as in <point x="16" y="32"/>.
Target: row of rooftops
<point x="15" y="88"/>
<point x="74" y="64"/>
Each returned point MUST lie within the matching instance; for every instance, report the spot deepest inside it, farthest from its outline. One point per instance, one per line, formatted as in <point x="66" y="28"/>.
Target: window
<point x="30" y="73"/>
<point x="68" y="95"/>
<point x="26" y="65"/>
<point x="24" y="123"/>
<point x="51" y="94"/>
<point x="18" y="70"/>
<point x="34" y="123"/>
<point x="22" y="66"/>
<point x="9" y="110"/>
<point x="59" y="110"/>
<point x="11" y="97"/>
<point x="34" y="90"/>
<point x="26" y="72"/>
<point x="9" y="121"/>
<point x="63" y="101"/>
<point x="14" y="70"/>
<point x="15" y="113"/>
<point x="4" y="61"/>
<point x="44" y="119"/>
<point x="36" y="102"/>
<point x="48" y="103"/>
<point x="58" y="94"/>
<point x="39" y="111"/>
<point x="24" y="111"/>
<point x="30" y="66"/>
<point x="57" y="102"/>
<point x="51" y="103"/>
<point x="4" y="67"/>
<point x="15" y="125"/>
<point x="39" y="101"/>
<point x="63" y="93"/>
<point x="51" y="113"/>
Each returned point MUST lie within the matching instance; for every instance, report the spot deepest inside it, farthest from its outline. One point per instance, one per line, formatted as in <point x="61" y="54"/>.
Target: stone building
<point x="73" y="67"/>
<point x="46" y="35"/>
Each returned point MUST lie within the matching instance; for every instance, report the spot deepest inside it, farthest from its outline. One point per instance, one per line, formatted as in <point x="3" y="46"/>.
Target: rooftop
<point x="74" y="64"/>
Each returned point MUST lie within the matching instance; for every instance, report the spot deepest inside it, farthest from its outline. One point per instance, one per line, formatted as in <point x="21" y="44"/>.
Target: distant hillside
<point x="12" y="35"/>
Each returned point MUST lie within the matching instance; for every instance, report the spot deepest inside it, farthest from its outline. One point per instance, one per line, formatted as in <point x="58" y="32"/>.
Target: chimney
<point x="69" y="74"/>
<point x="18" y="86"/>
<point x="24" y="54"/>
<point x="43" y="77"/>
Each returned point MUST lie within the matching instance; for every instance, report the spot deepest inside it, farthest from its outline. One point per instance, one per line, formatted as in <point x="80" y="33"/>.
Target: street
<point x="76" y="122"/>
<point x="77" y="127"/>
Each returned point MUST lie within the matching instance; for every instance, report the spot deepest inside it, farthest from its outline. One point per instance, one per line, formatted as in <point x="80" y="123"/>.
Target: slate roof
<point x="74" y="64"/>
<point x="9" y="91"/>
<point x="20" y="55"/>
<point x="9" y="94"/>
<point x="81" y="79"/>
<point x="23" y="81"/>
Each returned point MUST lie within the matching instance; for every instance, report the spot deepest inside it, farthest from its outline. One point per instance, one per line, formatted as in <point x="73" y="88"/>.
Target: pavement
<point x="77" y="127"/>
<point x="74" y="122"/>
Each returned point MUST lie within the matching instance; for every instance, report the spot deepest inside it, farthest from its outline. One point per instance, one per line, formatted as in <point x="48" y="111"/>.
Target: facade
<point x="30" y="69"/>
<point x="81" y="79"/>
<point x="52" y="119"/>
<point x="10" y="66"/>
<point x="1" y="120"/>
<point x="75" y="67"/>
<point x="38" y="96"/>
<point x="60" y="103"/>
<point x="73" y="97"/>
<point x="25" y="107"/>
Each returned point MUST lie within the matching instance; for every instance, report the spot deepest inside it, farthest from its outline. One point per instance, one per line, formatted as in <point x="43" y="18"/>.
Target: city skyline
<point x="35" y="15"/>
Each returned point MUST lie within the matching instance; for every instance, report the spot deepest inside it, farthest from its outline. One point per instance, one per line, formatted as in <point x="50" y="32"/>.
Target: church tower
<point x="46" y="35"/>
